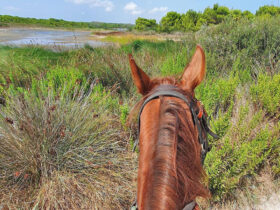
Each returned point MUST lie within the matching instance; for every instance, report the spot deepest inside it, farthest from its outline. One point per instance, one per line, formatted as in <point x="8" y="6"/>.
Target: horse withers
<point x="172" y="133"/>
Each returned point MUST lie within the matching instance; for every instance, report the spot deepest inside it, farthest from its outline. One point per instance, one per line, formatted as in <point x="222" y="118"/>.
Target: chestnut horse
<point x="170" y="169"/>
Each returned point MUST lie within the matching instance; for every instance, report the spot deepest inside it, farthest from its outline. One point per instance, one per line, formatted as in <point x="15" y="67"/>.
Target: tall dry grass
<point x="64" y="152"/>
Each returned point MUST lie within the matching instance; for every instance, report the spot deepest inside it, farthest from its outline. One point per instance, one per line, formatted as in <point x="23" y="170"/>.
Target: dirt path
<point x="271" y="202"/>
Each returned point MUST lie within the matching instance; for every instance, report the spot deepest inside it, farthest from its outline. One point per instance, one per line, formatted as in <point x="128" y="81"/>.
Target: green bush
<point x="266" y="93"/>
<point x="240" y="153"/>
<point x="217" y="94"/>
<point x="255" y="43"/>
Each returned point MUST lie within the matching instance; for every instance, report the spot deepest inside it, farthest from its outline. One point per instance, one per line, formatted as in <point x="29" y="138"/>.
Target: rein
<point x="199" y="119"/>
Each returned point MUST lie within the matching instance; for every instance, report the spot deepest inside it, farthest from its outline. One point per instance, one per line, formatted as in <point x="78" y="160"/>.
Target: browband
<point x="173" y="91"/>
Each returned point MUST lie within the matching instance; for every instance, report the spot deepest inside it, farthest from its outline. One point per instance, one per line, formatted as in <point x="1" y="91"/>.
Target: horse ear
<point x="194" y="72"/>
<point x="140" y="78"/>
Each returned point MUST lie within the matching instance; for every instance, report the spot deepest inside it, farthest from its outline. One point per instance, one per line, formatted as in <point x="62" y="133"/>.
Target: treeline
<point x="7" y="20"/>
<point x="192" y="20"/>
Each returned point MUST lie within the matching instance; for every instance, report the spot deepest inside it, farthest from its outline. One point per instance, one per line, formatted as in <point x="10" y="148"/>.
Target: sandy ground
<point x="262" y="193"/>
<point x="266" y="202"/>
<point x="270" y="203"/>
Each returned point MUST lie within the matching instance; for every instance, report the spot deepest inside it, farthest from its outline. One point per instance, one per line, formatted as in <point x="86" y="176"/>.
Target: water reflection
<point x="47" y="37"/>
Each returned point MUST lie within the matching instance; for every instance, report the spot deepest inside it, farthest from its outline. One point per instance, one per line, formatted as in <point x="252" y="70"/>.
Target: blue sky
<point x="118" y="11"/>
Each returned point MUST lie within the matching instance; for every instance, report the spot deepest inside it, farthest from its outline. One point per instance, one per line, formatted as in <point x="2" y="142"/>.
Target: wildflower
<point x="17" y="174"/>
<point x="62" y="134"/>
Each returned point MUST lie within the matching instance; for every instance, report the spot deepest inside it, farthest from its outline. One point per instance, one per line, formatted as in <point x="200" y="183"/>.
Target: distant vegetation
<point x="7" y="20"/>
<point x="193" y="21"/>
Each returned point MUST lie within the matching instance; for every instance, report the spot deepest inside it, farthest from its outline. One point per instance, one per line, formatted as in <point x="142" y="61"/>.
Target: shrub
<point x="217" y="94"/>
<point x="266" y="93"/>
<point x="256" y="42"/>
<point x="72" y="141"/>
<point x="239" y="154"/>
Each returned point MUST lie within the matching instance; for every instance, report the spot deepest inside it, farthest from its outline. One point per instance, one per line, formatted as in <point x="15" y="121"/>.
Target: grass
<point x="60" y="143"/>
<point x="64" y="142"/>
<point x="128" y="38"/>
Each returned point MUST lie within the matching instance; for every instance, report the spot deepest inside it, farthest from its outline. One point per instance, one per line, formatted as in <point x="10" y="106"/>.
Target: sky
<point x="116" y="11"/>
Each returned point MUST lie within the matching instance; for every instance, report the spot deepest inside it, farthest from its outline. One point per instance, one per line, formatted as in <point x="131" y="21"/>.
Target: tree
<point x="222" y="13"/>
<point x="201" y="21"/>
<point x="210" y="16"/>
<point x="236" y="14"/>
<point x="268" y="10"/>
<point x="143" y="24"/>
<point x="247" y="14"/>
<point x="215" y="15"/>
<point x="189" y="21"/>
<point x="171" y="22"/>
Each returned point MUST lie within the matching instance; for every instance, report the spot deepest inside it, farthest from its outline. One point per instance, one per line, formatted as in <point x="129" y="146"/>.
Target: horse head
<point x="170" y="171"/>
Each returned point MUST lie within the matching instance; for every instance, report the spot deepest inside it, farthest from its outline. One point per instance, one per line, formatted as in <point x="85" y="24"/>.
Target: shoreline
<point x="52" y="38"/>
<point x="49" y="28"/>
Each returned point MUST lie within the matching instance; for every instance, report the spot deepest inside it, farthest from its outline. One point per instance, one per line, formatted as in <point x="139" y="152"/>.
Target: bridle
<point x="199" y="119"/>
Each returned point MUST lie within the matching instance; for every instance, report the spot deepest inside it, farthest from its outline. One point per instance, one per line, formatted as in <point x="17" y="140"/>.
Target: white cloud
<point x="11" y="8"/>
<point x="133" y="8"/>
<point x="159" y="9"/>
<point x="130" y="6"/>
<point x="108" y="5"/>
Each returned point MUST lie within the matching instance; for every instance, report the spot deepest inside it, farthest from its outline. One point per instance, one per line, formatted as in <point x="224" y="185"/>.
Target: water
<point x="47" y="37"/>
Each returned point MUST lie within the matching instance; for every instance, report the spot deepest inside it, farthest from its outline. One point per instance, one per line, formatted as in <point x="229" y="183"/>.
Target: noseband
<point x="199" y="119"/>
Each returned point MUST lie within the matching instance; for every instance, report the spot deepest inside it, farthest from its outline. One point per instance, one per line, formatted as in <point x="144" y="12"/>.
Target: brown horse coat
<point x="170" y="169"/>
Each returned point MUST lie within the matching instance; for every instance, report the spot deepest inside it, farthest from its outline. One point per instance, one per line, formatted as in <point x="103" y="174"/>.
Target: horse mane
<point x="177" y="170"/>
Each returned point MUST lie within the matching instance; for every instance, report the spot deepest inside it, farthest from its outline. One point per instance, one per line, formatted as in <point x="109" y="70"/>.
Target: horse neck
<point x="169" y="162"/>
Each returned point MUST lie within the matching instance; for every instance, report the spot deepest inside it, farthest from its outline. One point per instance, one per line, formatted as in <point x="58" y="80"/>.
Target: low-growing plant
<point x="255" y="43"/>
<point x="266" y="93"/>
<point x="72" y="141"/>
<point x="240" y="153"/>
<point x="217" y="94"/>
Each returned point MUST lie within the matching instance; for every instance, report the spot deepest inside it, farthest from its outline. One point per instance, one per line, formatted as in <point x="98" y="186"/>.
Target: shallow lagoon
<point x="55" y="39"/>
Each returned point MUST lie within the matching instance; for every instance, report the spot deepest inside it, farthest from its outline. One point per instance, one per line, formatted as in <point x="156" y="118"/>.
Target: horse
<point x="171" y="131"/>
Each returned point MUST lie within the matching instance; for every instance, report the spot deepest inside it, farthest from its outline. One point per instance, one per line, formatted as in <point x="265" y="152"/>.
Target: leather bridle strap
<point x="189" y="206"/>
<point x="169" y="90"/>
<point x="162" y="90"/>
